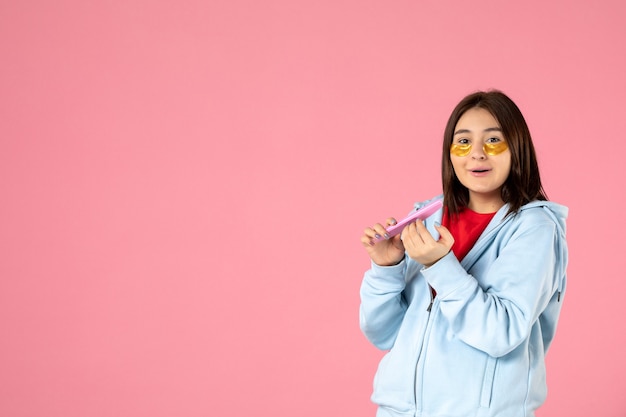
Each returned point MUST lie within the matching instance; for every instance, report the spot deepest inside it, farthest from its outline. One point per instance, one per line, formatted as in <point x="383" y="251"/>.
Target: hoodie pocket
<point x="393" y="389"/>
<point x="488" y="380"/>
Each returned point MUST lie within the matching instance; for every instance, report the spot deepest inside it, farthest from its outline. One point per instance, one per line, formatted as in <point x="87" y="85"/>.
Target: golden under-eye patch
<point x="489" y="148"/>
<point x="495" y="148"/>
<point x="460" y="150"/>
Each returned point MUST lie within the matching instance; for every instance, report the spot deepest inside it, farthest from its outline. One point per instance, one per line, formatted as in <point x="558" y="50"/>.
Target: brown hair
<point x="523" y="184"/>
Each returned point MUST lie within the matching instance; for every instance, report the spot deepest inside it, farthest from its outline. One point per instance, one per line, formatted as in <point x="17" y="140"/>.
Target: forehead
<point x="476" y="119"/>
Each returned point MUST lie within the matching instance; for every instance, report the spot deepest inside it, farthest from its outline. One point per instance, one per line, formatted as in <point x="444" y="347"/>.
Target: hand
<point x="421" y="246"/>
<point x="384" y="252"/>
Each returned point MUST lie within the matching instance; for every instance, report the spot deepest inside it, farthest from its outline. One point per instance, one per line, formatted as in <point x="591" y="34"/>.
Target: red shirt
<point x="466" y="228"/>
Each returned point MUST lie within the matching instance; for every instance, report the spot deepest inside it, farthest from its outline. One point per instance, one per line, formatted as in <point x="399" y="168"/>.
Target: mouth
<point x="480" y="172"/>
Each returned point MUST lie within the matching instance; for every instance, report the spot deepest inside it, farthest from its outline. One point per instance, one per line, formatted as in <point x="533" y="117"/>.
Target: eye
<point x="494" y="146"/>
<point x="461" y="148"/>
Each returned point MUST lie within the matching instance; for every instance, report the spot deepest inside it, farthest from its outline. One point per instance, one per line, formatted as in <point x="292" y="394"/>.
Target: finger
<point x="412" y="236"/>
<point x="380" y="232"/>
<point x="369" y="231"/>
<point x="397" y="242"/>
<point x="367" y="241"/>
<point x="424" y="234"/>
<point x="371" y="235"/>
<point x="391" y="221"/>
<point x="445" y="236"/>
<point x="375" y="229"/>
<point x="404" y="234"/>
<point x="419" y="230"/>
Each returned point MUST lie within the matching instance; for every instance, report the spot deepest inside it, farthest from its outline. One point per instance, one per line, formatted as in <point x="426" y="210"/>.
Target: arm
<point x="519" y="284"/>
<point x="383" y="292"/>
<point x="382" y="303"/>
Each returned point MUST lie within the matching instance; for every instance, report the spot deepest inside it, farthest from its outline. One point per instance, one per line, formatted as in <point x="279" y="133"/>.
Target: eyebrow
<point x="489" y="129"/>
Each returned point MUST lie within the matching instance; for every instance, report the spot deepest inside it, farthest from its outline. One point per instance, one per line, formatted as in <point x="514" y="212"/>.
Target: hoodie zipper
<point x="432" y="298"/>
<point x="419" y="371"/>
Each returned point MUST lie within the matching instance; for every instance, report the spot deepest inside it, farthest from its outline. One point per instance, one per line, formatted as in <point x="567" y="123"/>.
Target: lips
<point x="479" y="172"/>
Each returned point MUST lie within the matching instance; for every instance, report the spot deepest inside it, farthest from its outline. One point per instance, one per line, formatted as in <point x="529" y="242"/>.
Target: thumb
<point x="445" y="236"/>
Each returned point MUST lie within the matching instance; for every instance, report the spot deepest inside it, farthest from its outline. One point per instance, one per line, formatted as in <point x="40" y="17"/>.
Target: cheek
<point x="506" y="167"/>
<point x="457" y="162"/>
<point x="508" y="162"/>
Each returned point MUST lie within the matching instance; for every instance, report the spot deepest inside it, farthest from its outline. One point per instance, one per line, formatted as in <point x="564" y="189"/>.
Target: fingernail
<point x="387" y="236"/>
<point x="394" y="222"/>
<point x="437" y="224"/>
<point x="377" y="236"/>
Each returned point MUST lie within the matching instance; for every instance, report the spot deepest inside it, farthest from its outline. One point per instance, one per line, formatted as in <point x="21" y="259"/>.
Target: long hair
<point x="523" y="184"/>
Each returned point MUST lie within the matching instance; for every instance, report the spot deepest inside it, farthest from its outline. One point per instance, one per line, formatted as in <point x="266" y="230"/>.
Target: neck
<point x="485" y="204"/>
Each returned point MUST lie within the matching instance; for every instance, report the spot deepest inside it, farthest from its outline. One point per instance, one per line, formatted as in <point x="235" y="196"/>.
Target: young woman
<point x="467" y="302"/>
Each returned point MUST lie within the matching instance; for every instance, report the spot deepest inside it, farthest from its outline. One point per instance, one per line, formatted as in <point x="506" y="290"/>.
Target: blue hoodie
<point x="477" y="348"/>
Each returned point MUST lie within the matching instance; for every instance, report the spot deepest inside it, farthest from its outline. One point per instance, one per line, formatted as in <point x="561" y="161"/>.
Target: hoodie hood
<point x="556" y="211"/>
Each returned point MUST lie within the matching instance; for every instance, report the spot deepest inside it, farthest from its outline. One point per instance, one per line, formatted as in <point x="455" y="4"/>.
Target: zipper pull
<point x="432" y="298"/>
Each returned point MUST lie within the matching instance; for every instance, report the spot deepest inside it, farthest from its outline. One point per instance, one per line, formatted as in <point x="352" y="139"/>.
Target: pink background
<point x="184" y="184"/>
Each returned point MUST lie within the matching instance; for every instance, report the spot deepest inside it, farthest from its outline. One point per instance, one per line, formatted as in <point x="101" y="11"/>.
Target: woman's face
<point x="481" y="158"/>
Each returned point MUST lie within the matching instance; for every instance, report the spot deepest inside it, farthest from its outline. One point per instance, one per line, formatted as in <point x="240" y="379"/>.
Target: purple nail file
<point x="421" y="214"/>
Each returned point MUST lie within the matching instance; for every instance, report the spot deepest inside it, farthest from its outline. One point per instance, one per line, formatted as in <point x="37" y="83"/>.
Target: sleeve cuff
<point x="446" y="275"/>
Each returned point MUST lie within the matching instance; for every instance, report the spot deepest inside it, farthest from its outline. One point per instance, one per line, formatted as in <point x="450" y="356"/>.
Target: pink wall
<point x="184" y="184"/>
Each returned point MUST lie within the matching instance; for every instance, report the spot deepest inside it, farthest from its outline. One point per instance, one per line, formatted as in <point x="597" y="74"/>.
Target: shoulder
<point x="542" y="212"/>
<point x="539" y="218"/>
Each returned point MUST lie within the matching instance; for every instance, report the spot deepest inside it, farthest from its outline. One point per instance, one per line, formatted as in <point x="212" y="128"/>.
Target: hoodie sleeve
<point x="516" y="288"/>
<point x="382" y="303"/>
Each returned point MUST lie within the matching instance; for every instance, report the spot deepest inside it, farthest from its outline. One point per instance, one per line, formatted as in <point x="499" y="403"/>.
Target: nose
<point x="478" y="153"/>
